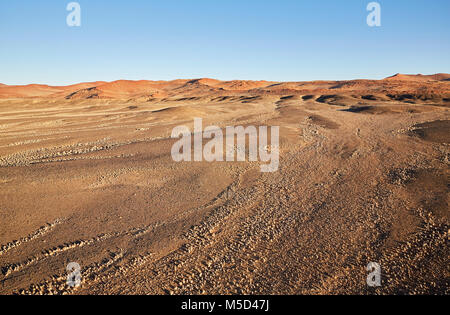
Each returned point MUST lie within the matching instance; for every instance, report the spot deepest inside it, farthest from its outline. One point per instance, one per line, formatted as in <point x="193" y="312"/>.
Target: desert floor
<point x="90" y="179"/>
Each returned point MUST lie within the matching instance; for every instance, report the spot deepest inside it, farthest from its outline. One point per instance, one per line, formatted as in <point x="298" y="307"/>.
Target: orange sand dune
<point x="420" y="77"/>
<point x="125" y="89"/>
<point x="41" y="90"/>
<point x="205" y="81"/>
<point x="239" y="85"/>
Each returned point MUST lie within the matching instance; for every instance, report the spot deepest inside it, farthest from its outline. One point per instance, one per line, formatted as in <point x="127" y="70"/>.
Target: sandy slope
<point x="86" y="176"/>
<point x="421" y="77"/>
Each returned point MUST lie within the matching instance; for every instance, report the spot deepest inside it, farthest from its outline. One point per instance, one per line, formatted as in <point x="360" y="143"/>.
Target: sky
<point x="278" y="40"/>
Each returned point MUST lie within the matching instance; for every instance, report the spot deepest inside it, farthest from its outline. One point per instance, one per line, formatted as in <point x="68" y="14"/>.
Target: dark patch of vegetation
<point x="325" y="98"/>
<point x="358" y="109"/>
<point x="369" y="97"/>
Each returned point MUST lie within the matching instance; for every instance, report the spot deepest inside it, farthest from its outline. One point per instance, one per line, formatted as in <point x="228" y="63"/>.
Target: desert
<point x="87" y="177"/>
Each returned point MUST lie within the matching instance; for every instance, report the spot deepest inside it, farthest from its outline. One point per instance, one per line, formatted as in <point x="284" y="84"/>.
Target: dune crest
<point x="420" y="77"/>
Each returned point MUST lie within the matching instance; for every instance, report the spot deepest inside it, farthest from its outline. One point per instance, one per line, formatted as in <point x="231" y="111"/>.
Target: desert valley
<point x="86" y="176"/>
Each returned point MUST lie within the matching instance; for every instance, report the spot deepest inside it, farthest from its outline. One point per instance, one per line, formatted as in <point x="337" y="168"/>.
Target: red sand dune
<point x="239" y="85"/>
<point x="420" y="77"/>
<point x="126" y="89"/>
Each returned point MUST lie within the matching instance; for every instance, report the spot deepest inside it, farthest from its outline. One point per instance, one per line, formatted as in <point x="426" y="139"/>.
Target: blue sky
<point x="281" y="40"/>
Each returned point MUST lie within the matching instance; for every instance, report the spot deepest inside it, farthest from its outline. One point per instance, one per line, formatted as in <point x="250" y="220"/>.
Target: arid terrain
<point x="86" y="176"/>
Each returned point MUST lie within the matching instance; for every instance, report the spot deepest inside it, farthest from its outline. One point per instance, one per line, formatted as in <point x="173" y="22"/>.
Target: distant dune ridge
<point x="420" y="77"/>
<point x="419" y="85"/>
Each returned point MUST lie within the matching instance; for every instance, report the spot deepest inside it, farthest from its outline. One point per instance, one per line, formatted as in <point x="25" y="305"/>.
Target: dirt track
<point x="92" y="181"/>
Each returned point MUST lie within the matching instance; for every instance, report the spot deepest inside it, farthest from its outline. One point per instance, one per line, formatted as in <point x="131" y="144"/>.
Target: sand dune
<point x="126" y="89"/>
<point x="239" y="85"/>
<point x="118" y="90"/>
